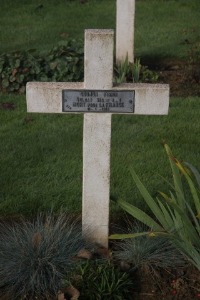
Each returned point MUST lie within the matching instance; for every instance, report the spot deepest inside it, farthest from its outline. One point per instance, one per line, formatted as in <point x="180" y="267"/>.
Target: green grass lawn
<point x="41" y="155"/>
<point x="162" y="28"/>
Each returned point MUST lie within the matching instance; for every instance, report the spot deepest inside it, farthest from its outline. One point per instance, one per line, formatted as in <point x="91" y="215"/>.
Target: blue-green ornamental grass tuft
<point x="148" y="251"/>
<point x="36" y="256"/>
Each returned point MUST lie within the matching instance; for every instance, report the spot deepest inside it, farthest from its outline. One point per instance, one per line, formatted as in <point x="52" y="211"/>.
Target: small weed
<point x="122" y="71"/>
<point x="98" y="280"/>
<point x="134" y="72"/>
<point x="147" y="75"/>
<point x="136" y="69"/>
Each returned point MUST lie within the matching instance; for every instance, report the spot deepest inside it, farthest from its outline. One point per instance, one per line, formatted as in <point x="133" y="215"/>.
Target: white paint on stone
<point x="99" y="46"/>
<point x="125" y="30"/>
<point x="150" y="99"/>
<point x="98" y="57"/>
<point x="96" y="177"/>
<point x="45" y="97"/>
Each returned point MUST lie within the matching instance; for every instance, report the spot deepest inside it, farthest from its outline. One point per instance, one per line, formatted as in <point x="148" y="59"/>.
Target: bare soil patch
<point x="183" y="78"/>
<point x="167" y="284"/>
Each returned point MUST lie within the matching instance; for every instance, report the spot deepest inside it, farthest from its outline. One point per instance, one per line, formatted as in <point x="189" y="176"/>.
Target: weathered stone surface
<point x="99" y="46"/>
<point x="45" y="97"/>
<point x="150" y="99"/>
<point x="125" y="30"/>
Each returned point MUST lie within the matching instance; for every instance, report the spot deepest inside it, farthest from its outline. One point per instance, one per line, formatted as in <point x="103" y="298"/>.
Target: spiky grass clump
<point x="101" y="279"/>
<point x="36" y="256"/>
<point x="148" y="251"/>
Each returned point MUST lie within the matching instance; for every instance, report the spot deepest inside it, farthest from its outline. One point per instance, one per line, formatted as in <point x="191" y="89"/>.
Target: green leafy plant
<point x="101" y="279"/>
<point x="36" y="256"/>
<point x="147" y="75"/>
<point x="122" y="71"/>
<point x="16" y="69"/>
<point x="63" y="63"/>
<point x="134" y="72"/>
<point x="175" y="216"/>
<point x="136" y="69"/>
<point x="126" y="71"/>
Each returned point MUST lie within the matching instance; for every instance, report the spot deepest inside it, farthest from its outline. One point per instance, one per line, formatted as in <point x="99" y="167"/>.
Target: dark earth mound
<point x="166" y="285"/>
<point x="183" y="77"/>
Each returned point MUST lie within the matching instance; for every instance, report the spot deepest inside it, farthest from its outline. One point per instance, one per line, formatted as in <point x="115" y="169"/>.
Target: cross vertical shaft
<point x="97" y="138"/>
<point x="125" y="30"/>
<point x="96" y="95"/>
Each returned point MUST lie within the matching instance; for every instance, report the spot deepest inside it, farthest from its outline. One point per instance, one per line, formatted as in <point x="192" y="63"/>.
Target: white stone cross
<point x="125" y="30"/>
<point x="97" y="99"/>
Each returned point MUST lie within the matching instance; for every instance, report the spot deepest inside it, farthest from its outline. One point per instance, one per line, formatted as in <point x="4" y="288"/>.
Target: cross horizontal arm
<point x="46" y="97"/>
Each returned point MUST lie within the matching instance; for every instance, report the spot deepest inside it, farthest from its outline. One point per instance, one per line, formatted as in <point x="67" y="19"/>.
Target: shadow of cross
<point x="97" y="99"/>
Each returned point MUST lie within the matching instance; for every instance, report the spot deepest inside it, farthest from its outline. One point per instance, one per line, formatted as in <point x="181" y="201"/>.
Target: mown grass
<point x="162" y="28"/>
<point x="166" y="28"/>
<point x="41" y="24"/>
<point x="41" y="155"/>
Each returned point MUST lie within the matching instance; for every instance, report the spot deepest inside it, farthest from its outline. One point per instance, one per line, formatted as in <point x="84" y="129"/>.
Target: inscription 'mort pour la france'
<point x="115" y="101"/>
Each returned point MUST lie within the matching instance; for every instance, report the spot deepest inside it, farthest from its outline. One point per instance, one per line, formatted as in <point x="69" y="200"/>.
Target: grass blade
<point x="194" y="171"/>
<point x="148" y="199"/>
<point x="127" y="235"/>
<point x="167" y="213"/>
<point x="140" y="215"/>
<point x="189" y="230"/>
<point x="176" y="177"/>
<point x="191" y="185"/>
